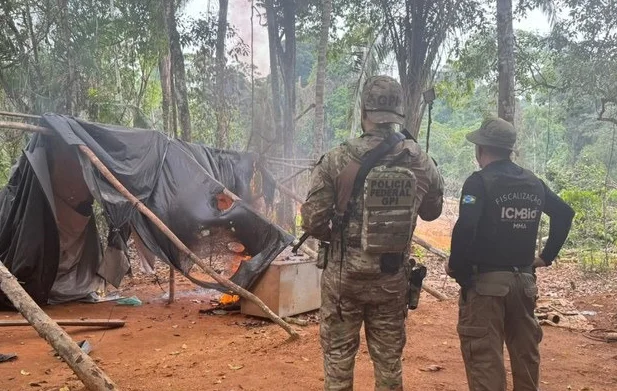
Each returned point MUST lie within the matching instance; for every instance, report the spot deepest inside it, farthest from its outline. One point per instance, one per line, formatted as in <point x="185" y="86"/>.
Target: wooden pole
<point x="198" y="261"/>
<point x="423" y="243"/>
<point x="24" y="127"/>
<point x="172" y="285"/>
<point x="19" y="115"/>
<point x="434" y="292"/>
<point x="111" y="323"/>
<point x="292" y="165"/>
<point x="292" y="176"/>
<point x="290" y="193"/>
<point x="84" y="367"/>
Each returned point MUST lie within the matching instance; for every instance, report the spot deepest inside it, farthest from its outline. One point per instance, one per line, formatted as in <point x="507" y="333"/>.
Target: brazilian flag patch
<point x="469" y="200"/>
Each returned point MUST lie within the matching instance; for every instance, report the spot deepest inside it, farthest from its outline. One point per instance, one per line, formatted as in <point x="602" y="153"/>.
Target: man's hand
<point x="539" y="262"/>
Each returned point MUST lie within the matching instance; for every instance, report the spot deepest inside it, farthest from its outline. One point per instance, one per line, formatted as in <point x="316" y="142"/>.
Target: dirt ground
<point x="175" y="347"/>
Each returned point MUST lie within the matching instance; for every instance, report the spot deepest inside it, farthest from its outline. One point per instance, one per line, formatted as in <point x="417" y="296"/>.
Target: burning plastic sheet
<point x="180" y="182"/>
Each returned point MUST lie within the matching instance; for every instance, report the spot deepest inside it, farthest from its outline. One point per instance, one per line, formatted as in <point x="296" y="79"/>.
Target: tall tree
<point x="281" y="17"/>
<point x="417" y="30"/>
<point x="179" y="72"/>
<point x="320" y="83"/>
<point x="287" y="59"/>
<point x="273" y="42"/>
<point x="222" y="125"/>
<point x="506" y="67"/>
<point x="588" y="44"/>
<point x="71" y="82"/>
<point x="169" y="120"/>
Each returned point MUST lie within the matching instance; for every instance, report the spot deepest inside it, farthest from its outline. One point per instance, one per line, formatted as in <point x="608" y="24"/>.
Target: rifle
<point x="322" y="253"/>
<point x="301" y="241"/>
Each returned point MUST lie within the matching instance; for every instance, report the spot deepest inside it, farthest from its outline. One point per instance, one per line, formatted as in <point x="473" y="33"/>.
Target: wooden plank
<point x="107" y="323"/>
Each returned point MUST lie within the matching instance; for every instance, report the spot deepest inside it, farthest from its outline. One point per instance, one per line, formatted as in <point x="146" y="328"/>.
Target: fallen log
<point x="423" y="243"/>
<point x="104" y="323"/>
<point x="84" y="367"/>
<point x="164" y="229"/>
<point x="299" y="322"/>
<point x="434" y="292"/>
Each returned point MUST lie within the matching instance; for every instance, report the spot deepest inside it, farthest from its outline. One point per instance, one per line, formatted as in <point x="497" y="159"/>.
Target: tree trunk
<point x="288" y="68"/>
<point x="320" y="84"/>
<point x="70" y="96"/>
<point x="414" y="108"/>
<point x="179" y="73"/>
<point x="165" y="75"/>
<point x="222" y="126"/>
<point x="277" y="108"/>
<point x="174" y="103"/>
<point x="412" y="64"/>
<point x="84" y="367"/>
<point x="273" y="41"/>
<point x="505" y="48"/>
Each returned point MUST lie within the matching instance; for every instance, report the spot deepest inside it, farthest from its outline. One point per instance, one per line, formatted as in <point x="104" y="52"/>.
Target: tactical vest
<point x="513" y="208"/>
<point x="381" y="218"/>
<point x="387" y="216"/>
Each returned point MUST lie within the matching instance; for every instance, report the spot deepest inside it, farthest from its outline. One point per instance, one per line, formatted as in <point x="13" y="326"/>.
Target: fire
<point x="228" y="299"/>
<point x="224" y="202"/>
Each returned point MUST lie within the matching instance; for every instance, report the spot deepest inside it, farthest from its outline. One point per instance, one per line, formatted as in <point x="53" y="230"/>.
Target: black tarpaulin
<point x="178" y="181"/>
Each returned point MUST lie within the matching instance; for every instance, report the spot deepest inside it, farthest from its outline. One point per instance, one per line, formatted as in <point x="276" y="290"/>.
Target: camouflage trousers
<point x="499" y="308"/>
<point x="378" y="303"/>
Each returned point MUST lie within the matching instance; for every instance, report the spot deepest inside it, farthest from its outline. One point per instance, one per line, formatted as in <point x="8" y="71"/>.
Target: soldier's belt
<point x="480" y="269"/>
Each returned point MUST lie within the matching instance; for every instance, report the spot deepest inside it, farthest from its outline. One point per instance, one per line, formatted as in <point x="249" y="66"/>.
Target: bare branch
<point x="603" y="110"/>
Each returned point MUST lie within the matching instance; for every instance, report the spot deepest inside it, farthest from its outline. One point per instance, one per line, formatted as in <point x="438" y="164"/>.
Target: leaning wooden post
<point x="423" y="243"/>
<point x="172" y="285"/>
<point x="181" y="246"/>
<point x="84" y="367"/>
<point x="434" y="292"/>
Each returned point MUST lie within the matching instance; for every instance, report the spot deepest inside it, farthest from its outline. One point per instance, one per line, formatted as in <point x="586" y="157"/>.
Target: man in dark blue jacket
<point x="493" y="260"/>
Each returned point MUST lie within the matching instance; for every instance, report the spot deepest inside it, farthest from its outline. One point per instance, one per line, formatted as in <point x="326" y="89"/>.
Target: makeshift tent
<point x="48" y="235"/>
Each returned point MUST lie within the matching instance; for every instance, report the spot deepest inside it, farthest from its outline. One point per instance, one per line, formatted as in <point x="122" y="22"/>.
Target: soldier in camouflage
<point x="356" y="287"/>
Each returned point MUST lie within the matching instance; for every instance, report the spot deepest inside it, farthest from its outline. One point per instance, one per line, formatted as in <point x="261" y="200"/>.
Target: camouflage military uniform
<point x="349" y="298"/>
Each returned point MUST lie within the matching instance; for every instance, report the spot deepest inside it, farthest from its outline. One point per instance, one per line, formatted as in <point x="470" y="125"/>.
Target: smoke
<point x="239" y="16"/>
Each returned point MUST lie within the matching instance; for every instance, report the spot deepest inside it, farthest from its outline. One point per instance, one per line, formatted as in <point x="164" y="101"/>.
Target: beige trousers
<point x="498" y="308"/>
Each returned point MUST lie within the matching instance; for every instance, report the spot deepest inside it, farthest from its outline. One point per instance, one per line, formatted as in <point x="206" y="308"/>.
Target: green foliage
<point x="564" y="82"/>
